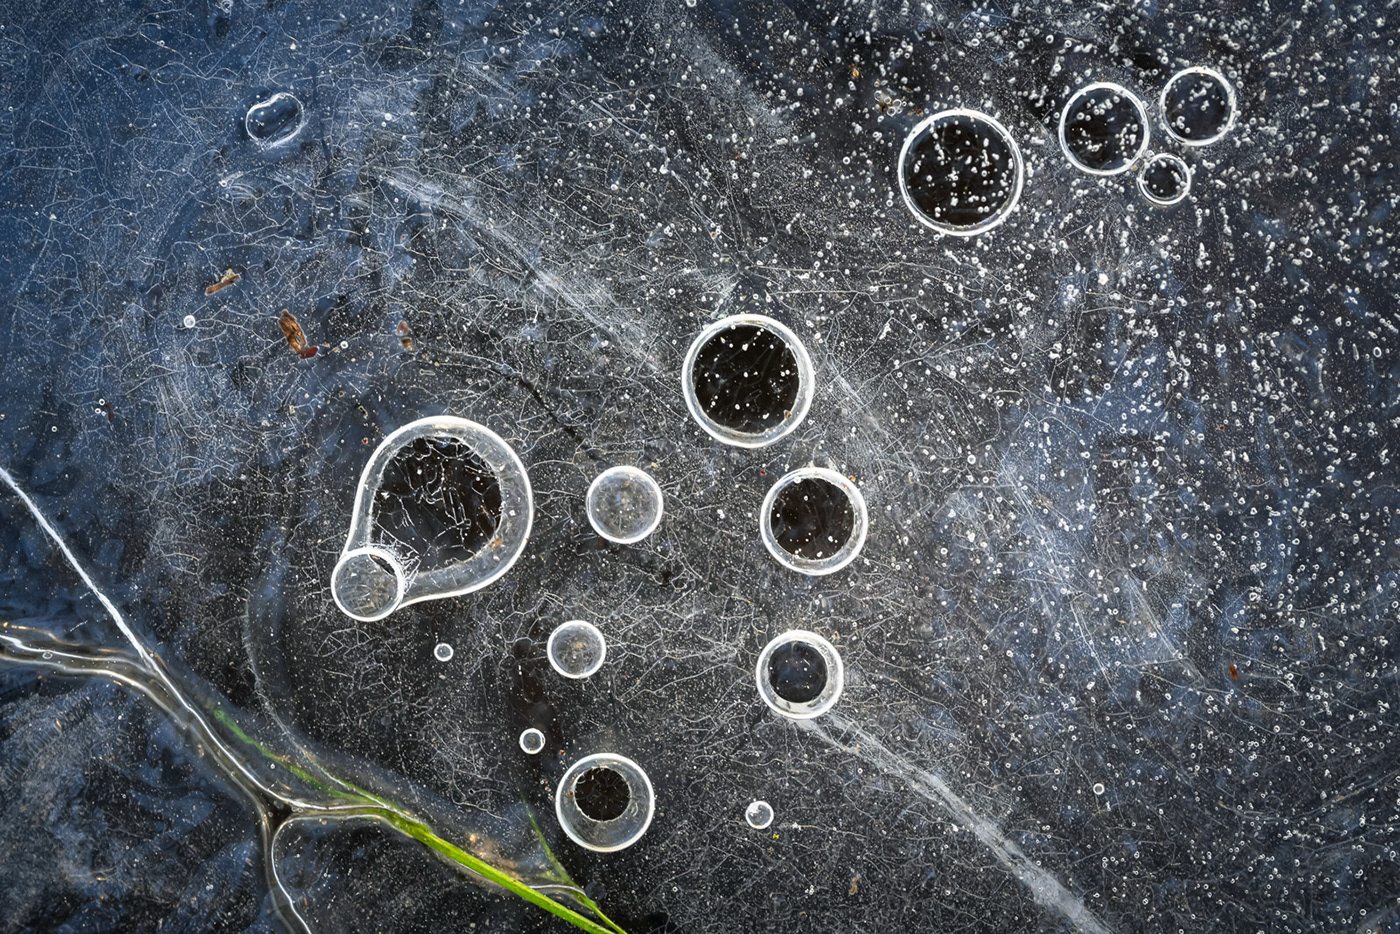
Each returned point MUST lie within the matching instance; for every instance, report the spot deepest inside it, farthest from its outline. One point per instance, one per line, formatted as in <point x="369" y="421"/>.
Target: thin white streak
<point x="1044" y="887"/>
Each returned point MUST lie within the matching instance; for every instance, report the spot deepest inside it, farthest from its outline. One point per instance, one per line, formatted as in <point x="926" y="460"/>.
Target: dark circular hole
<point x="274" y="118"/>
<point x="812" y="518"/>
<point x="959" y="171"/>
<point x="602" y="793"/>
<point x="1104" y="129"/>
<point x="1164" y="179"/>
<point x="745" y="378"/>
<point x="1197" y="106"/>
<point x="439" y="499"/>
<point x="797" y="672"/>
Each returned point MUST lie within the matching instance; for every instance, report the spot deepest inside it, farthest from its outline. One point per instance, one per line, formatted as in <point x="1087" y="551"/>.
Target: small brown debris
<point x="230" y="277"/>
<point x="405" y="338"/>
<point x="296" y="337"/>
<point x="1234" y="672"/>
<point x="855" y="884"/>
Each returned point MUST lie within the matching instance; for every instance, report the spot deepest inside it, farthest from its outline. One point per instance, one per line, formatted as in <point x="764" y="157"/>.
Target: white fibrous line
<point x="1045" y="888"/>
<point x="147" y="658"/>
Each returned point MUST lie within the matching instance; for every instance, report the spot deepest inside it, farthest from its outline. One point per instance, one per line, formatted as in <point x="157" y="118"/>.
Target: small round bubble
<point x="189" y="321"/>
<point x="1098" y="788"/>
<point x="1103" y="129"/>
<point x="576" y="649"/>
<point x="800" y="675"/>
<point x="532" y="741"/>
<point x="759" y="815"/>
<point x="443" y="652"/>
<point x="624" y="505"/>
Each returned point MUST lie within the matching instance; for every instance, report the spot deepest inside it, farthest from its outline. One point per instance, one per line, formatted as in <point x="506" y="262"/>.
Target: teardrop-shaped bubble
<point x="444" y="507"/>
<point x="274" y="120"/>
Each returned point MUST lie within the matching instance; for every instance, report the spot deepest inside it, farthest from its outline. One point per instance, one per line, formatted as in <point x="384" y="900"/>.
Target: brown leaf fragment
<point x="230" y="277"/>
<point x="296" y="337"/>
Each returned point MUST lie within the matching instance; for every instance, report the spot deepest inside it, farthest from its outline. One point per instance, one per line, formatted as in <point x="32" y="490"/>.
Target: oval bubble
<point x="443" y="652"/>
<point x="747" y="380"/>
<point x="604" y="802"/>
<point x="1164" y="179"/>
<point x="624" y="504"/>
<point x="1103" y="129"/>
<point x="275" y="120"/>
<point x="813" y="521"/>
<point x="960" y="172"/>
<point x="759" y="815"/>
<point x="1198" y="106"/>
<point x="447" y="503"/>
<point x="799" y="674"/>
<point x="577" y="649"/>
<point x="532" y="741"/>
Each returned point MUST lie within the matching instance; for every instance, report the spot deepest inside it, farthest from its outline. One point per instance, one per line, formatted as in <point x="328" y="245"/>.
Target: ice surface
<point x="1119" y="648"/>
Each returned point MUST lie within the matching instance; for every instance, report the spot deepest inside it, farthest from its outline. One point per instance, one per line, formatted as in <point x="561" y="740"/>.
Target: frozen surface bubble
<point x="759" y="815"/>
<point x="1198" y="106"/>
<point x="189" y="321"/>
<point x="532" y="741"/>
<point x="443" y="652"/>
<point x="368" y="583"/>
<point x="1103" y="129"/>
<point x="799" y="674"/>
<point x="747" y="380"/>
<point x="961" y="172"/>
<point x="604" y="802"/>
<point x="447" y="502"/>
<point x="1164" y="179"/>
<point x="1098" y="788"/>
<point x="813" y="520"/>
<point x="624" y="504"/>
<point x="577" y="649"/>
<point x="274" y="120"/>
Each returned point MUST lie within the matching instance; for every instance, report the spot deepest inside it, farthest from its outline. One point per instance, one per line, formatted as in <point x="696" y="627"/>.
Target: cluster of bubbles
<point x="444" y="507"/>
<point x="961" y="172"/>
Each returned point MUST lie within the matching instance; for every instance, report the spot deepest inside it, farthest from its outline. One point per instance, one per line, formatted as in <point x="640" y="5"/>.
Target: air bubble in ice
<point x="604" y="802"/>
<point x="576" y="649"/>
<point x="960" y="172"/>
<point x="759" y="815"/>
<point x="1164" y="179"/>
<point x="624" y="504"/>
<point x="1098" y="788"/>
<point x="274" y="120"/>
<point x="747" y="380"/>
<point x="368" y="583"/>
<point x="532" y="741"/>
<point x="189" y="321"/>
<point x="799" y="674"/>
<point x="1103" y="128"/>
<point x="443" y="652"/>
<point x="1198" y="106"/>
<point x="444" y="507"/>
<point x="813" y="521"/>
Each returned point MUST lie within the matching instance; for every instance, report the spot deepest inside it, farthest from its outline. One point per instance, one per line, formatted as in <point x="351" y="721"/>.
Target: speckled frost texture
<point x="1119" y="648"/>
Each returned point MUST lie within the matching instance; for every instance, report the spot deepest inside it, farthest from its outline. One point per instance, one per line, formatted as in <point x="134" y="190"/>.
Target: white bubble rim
<point x="815" y="567"/>
<point x="831" y="691"/>
<point x="1138" y="106"/>
<point x="1018" y="163"/>
<point x="610" y="835"/>
<point x="749" y="439"/>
